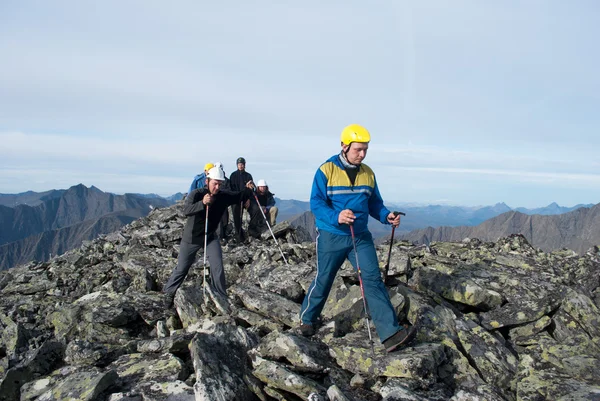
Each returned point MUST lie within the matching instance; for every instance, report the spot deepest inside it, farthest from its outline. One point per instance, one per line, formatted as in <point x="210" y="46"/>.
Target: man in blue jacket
<point x="345" y="193"/>
<point x="200" y="179"/>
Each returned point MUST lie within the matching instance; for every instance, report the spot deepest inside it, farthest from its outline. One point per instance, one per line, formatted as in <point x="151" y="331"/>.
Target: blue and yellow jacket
<point x="332" y="192"/>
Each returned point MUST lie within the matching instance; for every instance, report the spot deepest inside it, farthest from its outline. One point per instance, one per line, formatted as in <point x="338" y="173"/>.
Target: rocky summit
<point x="496" y="321"/>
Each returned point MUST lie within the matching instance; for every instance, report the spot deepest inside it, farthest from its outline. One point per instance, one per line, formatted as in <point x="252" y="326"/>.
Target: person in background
<point x="200" y="179"/>
<point x="237" y="182"/>
<point x="222" y="229"/>
<point x="195" y="208"/>
<point x="344" y="194"/>
<point x="267" y="203"/>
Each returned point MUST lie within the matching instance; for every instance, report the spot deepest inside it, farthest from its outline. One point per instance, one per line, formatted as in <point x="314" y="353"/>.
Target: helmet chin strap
<point x="345" y="153"/>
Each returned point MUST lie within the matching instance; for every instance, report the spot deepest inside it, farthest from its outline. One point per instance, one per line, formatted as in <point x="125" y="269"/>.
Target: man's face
<point x="214" y="186"/>
<point x="262" y="190"/>
<point x="241" y="166"/>
<point x="356" y="153"/>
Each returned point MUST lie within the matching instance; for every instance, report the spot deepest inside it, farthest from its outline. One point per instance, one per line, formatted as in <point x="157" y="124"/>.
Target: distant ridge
<point x="60" y="220"/>
<point x="577" y="230"/>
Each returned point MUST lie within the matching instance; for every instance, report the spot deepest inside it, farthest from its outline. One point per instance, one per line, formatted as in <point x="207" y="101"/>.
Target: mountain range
<point x="577" y="230"/>
<point x="36" y="225"/>
<point x="421" y="216"/>
<point x="39" y="225"/>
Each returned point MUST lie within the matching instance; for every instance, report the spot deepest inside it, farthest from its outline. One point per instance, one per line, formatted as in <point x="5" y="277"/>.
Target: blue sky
<point x="468" y="102"/>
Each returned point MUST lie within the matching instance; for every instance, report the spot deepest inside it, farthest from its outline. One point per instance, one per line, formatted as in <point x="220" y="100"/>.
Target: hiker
<point x="344" y="193"/>
<point x="238" y="181"/>
<point x="269" y="211"/>
<point x="200" y="179"/>
<point x="222" y="228"/>
<point x="194" y="232"/>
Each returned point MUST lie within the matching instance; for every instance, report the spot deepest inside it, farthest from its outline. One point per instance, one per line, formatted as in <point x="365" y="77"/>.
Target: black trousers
<point x="237" y="220"/>
<point x="187" y="255"/>
<point x="222" y="228"/>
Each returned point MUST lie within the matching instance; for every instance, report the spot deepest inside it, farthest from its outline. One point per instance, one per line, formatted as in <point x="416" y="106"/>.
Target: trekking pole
<point x="269" y="225"/>
<point x="362" y="290"/>
<point x="204" y="270"/>
<point x="387" y="265"/>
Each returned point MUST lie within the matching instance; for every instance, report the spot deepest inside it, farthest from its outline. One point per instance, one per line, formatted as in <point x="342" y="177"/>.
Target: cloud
<point x="516" y="175"/>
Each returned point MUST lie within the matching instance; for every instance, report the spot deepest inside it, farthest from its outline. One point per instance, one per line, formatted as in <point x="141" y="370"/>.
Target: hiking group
<point x="344" y="194"/>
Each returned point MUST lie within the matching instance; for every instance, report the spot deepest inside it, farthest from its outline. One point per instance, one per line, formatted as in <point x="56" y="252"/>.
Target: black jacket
<point x="239" y="179"/>
<point x="266" y="200"/>
<point x="193" y="232"/>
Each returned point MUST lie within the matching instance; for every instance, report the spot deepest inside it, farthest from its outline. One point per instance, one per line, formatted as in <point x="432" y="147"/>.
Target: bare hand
<point x="346" y="217"/>
<point x="207" y="200"/>
<point x="393" y="219"/>
<point x="250" y="185"/>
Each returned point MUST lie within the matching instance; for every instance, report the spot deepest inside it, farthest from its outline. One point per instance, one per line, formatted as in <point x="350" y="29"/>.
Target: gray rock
<point x="492" y="359"/>
<point x="14" y="335"/>
<point x="133" y="369"/>
<point x="174" y="344"/>
<point x="268" y="304"/>
<point x="38" y="363"/>
<point x="219" y="353"/>
<point x="478" y="307"/>
<point x="167" y="391"/>
<point x="420" y="362"/>
<point x="81" y="386"/>
<point x="278" y="376"/>
<point x="304" y="354"/>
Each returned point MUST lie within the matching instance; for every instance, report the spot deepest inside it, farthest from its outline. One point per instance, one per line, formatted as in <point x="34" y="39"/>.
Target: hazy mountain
<point x="551" y="209"/>
<point x="418" y="216"/>
<point x="289" y="208"/>
<point x="28" y="232"/>
<point x="172" y="199"/>
<point x="175" y="197"/>
<point x="29" y="198"/>
<point x="578" y="230"/>
<point x="44" y="245"/>
<point x="73" y="206"/>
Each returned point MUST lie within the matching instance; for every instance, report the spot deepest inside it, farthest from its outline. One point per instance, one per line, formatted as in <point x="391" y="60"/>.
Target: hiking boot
<point x="169" y="297"/>
<point x="307" y="330"/>
<point x="402" y="337"/>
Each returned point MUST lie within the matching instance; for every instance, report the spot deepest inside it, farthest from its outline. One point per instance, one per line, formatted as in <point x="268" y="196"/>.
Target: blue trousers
<point x="332" y="251"/>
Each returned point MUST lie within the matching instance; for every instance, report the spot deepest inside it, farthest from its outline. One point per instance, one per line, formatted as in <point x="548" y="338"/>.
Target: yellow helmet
<point x="355" y="133"/>
<point x="208" y="166"/>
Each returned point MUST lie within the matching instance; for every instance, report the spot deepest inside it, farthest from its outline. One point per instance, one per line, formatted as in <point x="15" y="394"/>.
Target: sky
<point x="468" y="102"/>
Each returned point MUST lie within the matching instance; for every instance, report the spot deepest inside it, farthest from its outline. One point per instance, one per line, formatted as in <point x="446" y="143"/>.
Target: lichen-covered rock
<point x="523" y="335"/>
<point x="101" y="317"/>
<point x="495" y="361"/>
<point x="133" y="369"/>
<point x="174" y="344"/>
<point x="278" y="376"/>
<point x="459" y="289"/>
<point x="13" y="337"/>
<point x="478" y="308"/>
<point x="304" y="354"/>
<point x="268" y="304"/>
<point x="80" y="386"/>
<point x="419" y="362"/>
<point x="167" y="391"/>
<point x="260" y="323"/>
<point x="37" y="363"/>
<point x="84" y="353"/>
<point x="219" y="353"/>
<point x="399" y="259"/>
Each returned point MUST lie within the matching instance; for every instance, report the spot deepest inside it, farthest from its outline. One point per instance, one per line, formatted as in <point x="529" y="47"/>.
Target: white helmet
<point x="261" y="183"/>
<point x="216" y="173"/>
<point x="219" y="165"/>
